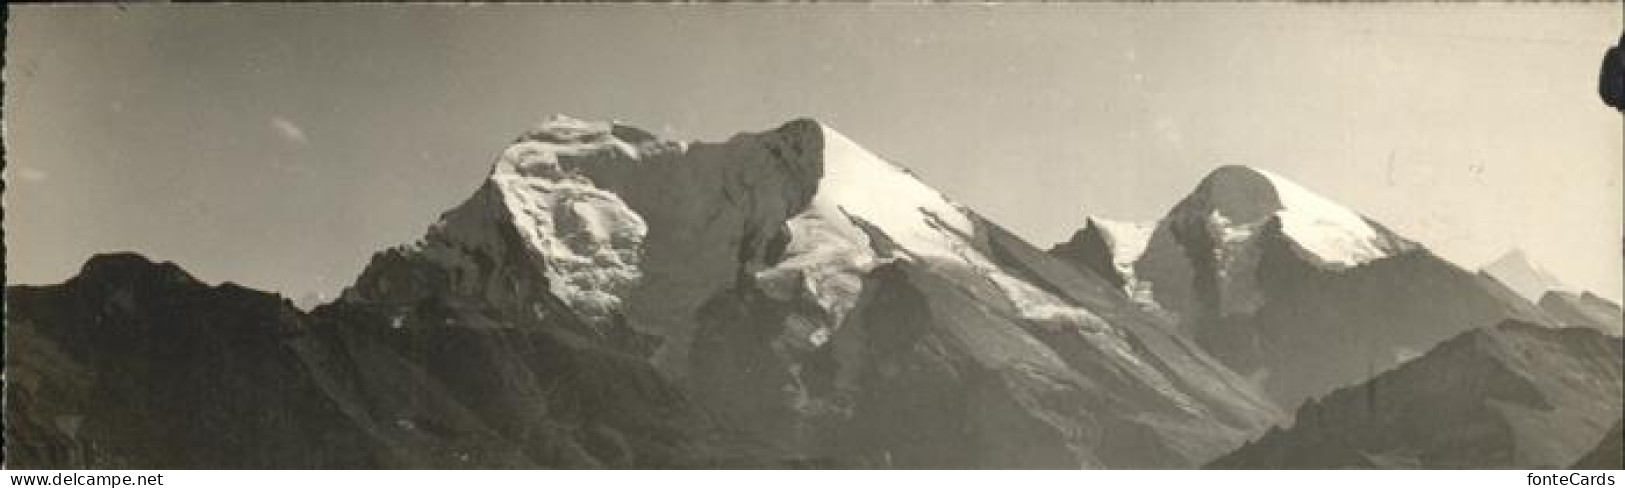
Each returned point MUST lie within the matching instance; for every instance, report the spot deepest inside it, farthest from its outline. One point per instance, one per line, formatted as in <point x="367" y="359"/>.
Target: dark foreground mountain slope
<point x="1583" y="310"/>
<point x="1608" y="454"/>
<point x="1512" y="396"/>
<point x="137" y="365"/>
<point x="133" y="364"/>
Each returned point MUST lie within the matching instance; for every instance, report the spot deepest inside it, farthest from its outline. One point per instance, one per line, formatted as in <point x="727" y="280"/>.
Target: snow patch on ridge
<point x="1127" y="242"/>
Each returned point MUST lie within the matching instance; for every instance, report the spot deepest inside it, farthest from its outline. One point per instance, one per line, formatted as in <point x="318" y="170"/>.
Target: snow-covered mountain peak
<point x="624" y="227"/>
<point x="867" y="212"/>
<point x="1236" y="200"/>
<point x="1203" y="259"/>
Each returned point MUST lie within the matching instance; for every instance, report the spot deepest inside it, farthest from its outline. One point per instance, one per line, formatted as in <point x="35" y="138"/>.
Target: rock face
<point x="1299" y="294"/>
<point x="1582" y="310"/>
<point x="1108" y="248"/>
<point x="825" y="302"/>
<point x="1512" y="396"/>
<point x="134" y="364"/>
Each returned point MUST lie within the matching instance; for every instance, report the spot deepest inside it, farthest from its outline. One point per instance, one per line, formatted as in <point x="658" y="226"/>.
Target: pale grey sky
<point x="280" y="146"/>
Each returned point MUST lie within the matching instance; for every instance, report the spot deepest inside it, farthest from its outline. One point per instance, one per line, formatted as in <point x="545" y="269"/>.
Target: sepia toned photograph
<point x="1147" y="236"/>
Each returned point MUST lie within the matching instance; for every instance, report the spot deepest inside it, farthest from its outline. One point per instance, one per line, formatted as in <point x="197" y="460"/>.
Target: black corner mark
<point x="1611" y="82"/>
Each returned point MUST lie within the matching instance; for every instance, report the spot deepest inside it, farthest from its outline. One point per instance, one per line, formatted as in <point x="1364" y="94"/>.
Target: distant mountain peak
<point x="1518" y="271"/>
<point x="1204" y="256"/>
<point x="1278" y="282"/>
<point x="1236" y="200"/>
<point x="127" y="266"/>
